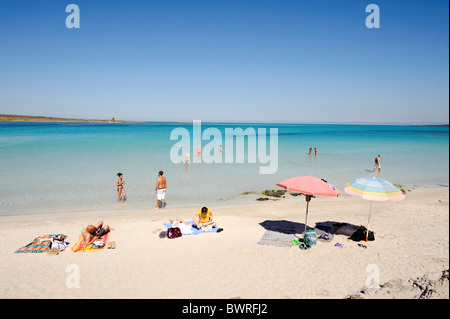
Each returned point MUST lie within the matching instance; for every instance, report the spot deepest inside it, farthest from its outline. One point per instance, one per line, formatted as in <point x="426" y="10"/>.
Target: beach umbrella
<point x="373" y="189"/>
<point x="311" y="187"/>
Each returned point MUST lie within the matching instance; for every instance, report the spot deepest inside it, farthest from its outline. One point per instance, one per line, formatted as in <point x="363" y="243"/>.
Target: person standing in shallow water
<point x="316" y="151"/>
<point x="160" y="190"/>
<point x="120" y="189"/>
<point x="186" y="159"/>
<point x="377" y="164"/>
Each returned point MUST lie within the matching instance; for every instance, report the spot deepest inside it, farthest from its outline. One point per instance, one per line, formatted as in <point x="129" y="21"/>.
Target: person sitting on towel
<point x="202" y="218"/>
<point x="92" y="233"/>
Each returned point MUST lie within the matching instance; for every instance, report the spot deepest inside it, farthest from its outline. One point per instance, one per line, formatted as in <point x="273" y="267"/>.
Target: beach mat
<point x="195" y="231"/>
<point x="294" y="228"/>
<point x="39" y="245"/>
<point x="79" y="245"/>
<point x="274" y="238"/>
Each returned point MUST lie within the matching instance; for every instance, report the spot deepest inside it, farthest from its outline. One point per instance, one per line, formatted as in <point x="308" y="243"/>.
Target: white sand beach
<point x="411" y="241"/>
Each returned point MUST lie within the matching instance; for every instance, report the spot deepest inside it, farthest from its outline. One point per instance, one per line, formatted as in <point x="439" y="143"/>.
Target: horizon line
<point x="112" y="120"/>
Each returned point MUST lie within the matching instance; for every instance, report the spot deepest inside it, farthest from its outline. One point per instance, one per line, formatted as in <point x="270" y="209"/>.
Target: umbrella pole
<point x="368" y="223"/>
<point x="308" y="199"/>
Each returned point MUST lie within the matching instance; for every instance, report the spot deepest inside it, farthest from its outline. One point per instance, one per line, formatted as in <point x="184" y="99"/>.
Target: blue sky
<point x="226" y="60"/>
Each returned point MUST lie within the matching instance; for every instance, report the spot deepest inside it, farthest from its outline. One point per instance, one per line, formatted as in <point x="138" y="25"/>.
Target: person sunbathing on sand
<point x="203" y="218"/>
<point x="92" y="233"/>
<point x="184" y="227"/>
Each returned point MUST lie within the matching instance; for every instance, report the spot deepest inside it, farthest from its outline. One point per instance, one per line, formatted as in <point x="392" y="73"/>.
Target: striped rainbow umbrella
<point x="373" y="189"/>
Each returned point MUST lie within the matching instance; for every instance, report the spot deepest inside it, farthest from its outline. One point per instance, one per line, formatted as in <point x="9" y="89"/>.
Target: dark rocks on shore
<point x="247" y="193"/>
<point x="274" y="193"/>
<point x="280" y="193"/>
<point x="430" y="286"/>
<point x="296" y="194"/>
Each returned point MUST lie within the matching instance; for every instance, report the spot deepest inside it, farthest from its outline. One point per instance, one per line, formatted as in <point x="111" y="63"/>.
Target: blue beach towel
<point x="195" y="230"/>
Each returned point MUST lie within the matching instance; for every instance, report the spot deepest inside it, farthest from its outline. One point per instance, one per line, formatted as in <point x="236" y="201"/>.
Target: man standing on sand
<point x="160" y="189"/>
<point x="377" y="164"/>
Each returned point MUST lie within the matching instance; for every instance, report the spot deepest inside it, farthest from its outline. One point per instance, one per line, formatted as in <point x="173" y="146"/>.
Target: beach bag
<point x="173" y="232"/>
<point x="310" y="238"/>
<point x="57" y="242"/>
<point x="360" y="235"/>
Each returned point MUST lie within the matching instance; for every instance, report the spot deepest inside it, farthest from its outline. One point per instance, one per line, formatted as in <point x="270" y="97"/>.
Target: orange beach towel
<point x="79" y="245"/>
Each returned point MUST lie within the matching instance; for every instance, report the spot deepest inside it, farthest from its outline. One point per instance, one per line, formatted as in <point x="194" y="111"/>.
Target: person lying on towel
<point x="92" y="233"/>
<point x="203" y="217"/>
<point x="184" y="227"/>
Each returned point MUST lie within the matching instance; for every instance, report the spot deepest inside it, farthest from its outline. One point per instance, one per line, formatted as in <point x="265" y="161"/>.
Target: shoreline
<point x="245" y="198"/>
<point x="231" y="263"/>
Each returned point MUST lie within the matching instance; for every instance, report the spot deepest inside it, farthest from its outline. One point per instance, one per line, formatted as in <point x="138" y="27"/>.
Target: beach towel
<point x="195" y="231"/>
<point x="39" y="245"/>
<point x="274" y="238"/>
<point x="79" y="245"/>
<point x="185" y="229"/>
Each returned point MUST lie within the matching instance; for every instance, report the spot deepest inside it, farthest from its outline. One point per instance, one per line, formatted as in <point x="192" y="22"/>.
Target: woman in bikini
<point x="120" y="190"/>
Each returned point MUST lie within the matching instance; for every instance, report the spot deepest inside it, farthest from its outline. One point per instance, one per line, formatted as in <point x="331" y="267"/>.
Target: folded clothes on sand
<point x="97" y="244"/>
<point x="325" y="237"/>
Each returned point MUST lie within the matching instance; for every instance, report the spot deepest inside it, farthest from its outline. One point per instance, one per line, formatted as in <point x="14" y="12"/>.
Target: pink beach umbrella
<point x="373" y="189"/>
<point x="311" y="187"/>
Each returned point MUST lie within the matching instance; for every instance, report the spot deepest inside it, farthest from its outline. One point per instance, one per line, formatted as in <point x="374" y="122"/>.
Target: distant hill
<point x="27" y="118"/>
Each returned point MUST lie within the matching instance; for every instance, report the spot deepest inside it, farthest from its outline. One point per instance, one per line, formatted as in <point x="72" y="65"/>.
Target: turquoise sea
<point x="62" y="167"/>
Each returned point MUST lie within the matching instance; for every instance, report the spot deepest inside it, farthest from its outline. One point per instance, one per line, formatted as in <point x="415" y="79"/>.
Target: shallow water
<point x="51" y="167"/>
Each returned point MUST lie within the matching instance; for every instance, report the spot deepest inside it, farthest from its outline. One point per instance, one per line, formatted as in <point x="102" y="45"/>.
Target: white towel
<point x="185" y="230"/>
